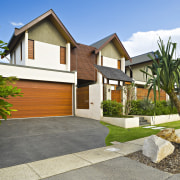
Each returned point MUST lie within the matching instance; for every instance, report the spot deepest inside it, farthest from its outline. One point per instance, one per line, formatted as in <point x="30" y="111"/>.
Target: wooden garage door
<point x="42" y="99"/>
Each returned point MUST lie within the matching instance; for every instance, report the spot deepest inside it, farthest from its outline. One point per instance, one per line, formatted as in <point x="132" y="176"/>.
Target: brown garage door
<point x="42" y="99"/>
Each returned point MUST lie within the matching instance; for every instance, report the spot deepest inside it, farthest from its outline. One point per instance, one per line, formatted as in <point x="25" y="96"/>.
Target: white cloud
<point x="17" y="24"/>
<point x="143" y="42"/>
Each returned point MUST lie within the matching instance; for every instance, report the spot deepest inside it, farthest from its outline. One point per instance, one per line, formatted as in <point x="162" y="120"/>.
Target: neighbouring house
<point x="60" y="77"/>
<point x="133" y="68"/>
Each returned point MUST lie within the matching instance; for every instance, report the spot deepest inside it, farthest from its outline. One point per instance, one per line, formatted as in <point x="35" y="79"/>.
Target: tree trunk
<point x="175" y="100"/>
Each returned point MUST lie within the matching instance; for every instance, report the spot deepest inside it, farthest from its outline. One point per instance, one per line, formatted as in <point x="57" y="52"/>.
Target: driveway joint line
<point x="33" y="170"/>
<point x="83" y="159"/>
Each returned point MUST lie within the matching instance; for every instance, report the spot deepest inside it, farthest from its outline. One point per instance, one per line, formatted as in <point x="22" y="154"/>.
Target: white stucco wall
<point x="162" y="118"/>
<point x="122" y="122"/>
<point x="37" y="74"/>
<point x="107" y="91"/>
<point x="46" y="56"/>
<point x="110" y="62"/>
<point x="113" y="63"/>
<point x="17" y="52"/>
<point x="68" y="56"/>
<point x="95" y="99"/>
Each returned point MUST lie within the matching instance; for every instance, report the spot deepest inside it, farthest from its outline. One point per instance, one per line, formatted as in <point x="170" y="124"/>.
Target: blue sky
<point x="89" y="21"/>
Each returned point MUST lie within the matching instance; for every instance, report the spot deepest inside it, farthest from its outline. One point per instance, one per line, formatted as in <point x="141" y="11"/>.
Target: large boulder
<point x="157" y="148"/>
<point x="169" y="134"/>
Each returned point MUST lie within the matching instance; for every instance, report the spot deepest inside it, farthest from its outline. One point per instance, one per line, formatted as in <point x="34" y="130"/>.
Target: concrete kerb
<point x="53" y="166"/>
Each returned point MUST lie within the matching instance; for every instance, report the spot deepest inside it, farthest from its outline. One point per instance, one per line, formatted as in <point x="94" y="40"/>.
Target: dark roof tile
<point x="113" y="74"/>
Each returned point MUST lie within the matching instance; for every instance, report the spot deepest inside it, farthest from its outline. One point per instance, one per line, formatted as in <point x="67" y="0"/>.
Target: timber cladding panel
<point x="142" y="93"/>
<point x="119" y="64"/>
<point x="83" y="60"/>
<point x="83" y="98"/>
<point x="116" y="95"/>
<point x="62" y="55"/>
<point x="42" y="99"/>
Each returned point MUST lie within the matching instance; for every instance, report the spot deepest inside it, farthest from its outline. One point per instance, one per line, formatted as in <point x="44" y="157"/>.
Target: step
<point x="141" y="118"/>
<point x="144" y="124"/>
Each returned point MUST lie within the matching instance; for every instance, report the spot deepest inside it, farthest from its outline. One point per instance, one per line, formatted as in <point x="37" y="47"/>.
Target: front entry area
<point x="41" y="99"/>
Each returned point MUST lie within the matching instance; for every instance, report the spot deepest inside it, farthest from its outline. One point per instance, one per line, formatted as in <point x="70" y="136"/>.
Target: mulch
<point x="170" y="164"/>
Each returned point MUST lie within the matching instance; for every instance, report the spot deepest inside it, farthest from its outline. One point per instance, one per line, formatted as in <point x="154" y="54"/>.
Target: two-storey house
<point x="61" y="77"/>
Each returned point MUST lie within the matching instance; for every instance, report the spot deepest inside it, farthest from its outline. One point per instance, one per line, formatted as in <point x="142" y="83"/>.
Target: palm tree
<point x="164" y="73"/>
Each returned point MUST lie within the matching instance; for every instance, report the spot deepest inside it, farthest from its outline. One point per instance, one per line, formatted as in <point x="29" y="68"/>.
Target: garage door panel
<point x="35" y="93"/>
<point x="42" y="99"/>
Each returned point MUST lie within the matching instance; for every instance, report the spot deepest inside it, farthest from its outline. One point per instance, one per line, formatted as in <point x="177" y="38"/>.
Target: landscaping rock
<point x="169" y="134"/>
<point x="157" y="148"/>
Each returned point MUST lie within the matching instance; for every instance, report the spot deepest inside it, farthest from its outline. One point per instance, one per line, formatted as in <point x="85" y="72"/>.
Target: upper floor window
<point x="21" y="50"/>
<point x="14" y="56"/>
<point x="131" y="73"/>
<point x="30" y="49"/>
<point x="62" y="55"/>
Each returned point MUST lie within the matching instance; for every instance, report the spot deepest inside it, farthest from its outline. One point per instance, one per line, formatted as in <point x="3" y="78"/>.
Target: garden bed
<point x="170" y="164"/>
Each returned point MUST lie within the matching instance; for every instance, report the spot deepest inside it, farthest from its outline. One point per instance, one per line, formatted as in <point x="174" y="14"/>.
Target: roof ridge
<point x="142" y="54"/>
<point x="107" y="37"/>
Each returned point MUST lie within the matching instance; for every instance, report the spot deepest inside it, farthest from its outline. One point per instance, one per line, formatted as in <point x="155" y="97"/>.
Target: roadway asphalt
<point x="120" y="168"/>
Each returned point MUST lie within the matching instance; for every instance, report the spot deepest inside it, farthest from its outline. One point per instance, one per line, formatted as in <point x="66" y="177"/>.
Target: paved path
<point x="102" y="163"/>
<point x="27" y="140"/>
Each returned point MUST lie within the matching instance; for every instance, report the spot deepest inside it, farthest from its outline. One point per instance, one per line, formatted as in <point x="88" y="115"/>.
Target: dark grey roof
<point x="99" y="43"/>
<point x="113" y="74"/>
<point x="140" y="59"/>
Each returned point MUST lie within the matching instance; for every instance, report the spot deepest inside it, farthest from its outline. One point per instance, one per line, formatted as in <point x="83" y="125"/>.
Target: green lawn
<point x="175" y="125"/>
<point x="122" y="135"/>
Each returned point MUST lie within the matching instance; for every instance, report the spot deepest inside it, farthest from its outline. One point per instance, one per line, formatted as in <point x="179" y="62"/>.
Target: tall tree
<point x="7" y="89"/>
<point x="164" y="73"/>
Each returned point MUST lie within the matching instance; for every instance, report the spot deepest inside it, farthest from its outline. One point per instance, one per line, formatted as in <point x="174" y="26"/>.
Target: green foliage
<point x="6" y="91"/>
<point x="3" y="46"/>
<point x="111" y="108"/>
<point x="164" y="72"/>
<point x="129" y="91"/>
<point x="147" y="107"/>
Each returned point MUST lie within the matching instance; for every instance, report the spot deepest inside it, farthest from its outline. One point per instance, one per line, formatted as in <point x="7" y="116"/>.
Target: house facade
<point x="61" y="77"/>
<point x="133" y="70"/>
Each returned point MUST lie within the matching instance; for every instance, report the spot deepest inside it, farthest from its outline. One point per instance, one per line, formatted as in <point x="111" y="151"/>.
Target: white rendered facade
<point x="45" y="55"/>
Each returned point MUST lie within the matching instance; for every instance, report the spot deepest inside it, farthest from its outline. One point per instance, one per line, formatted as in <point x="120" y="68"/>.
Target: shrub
<point x="146" y="107"/>
<point x="111" y="108"/>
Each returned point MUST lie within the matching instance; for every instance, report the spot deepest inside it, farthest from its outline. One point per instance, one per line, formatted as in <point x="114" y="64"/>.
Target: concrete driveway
<point x="28" y="140"/>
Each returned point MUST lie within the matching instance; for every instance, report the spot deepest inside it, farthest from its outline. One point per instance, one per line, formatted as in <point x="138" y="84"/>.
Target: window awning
<point x="113" y="74"/>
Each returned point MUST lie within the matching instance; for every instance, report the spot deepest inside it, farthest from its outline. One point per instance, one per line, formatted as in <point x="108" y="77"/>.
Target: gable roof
<point x="114" y="38"/>
<point x="53" y="18"/>
<point x="143" y="58"/>
<point x="100" y="43"/>
<point x="113" y="74"/>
